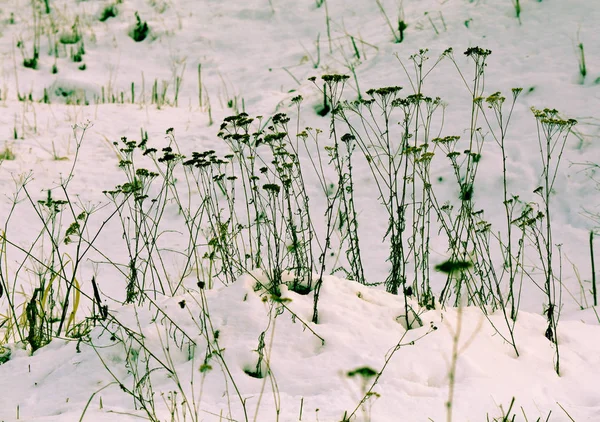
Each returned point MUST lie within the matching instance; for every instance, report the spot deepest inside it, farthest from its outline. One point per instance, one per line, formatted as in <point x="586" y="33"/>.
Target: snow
<point x="258" y="55"/>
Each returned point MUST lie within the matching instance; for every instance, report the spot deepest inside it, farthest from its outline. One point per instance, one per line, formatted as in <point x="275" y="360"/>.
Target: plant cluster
<point x="249" y="213"/>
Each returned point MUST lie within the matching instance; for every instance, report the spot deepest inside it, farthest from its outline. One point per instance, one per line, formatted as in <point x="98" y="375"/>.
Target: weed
<point x="552" y="137"/>
<point x="581" y="61"/>
<point x="31" y="63"/>
<point x="399" y="33"/>
<point x="315" y="61"/>
<point x="109" y="11"/>
<point x="517" y="7"/>
<point x="7" y="154"/>
<point x="72" y="37"/>
<point x="5" y="354"/>
<point x="402" y="26"/>
<point x="323" y="109"/>
<point x="76" y="56"/>
<point x="140" y="30"/>
<point x="594" y="287"/>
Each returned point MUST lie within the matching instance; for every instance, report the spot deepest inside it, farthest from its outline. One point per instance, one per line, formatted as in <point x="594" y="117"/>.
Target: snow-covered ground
<point x="203" y="60"/>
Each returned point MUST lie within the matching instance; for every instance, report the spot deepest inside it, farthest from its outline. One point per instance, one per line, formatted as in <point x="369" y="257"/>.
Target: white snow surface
<point x="258" y="54"/>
